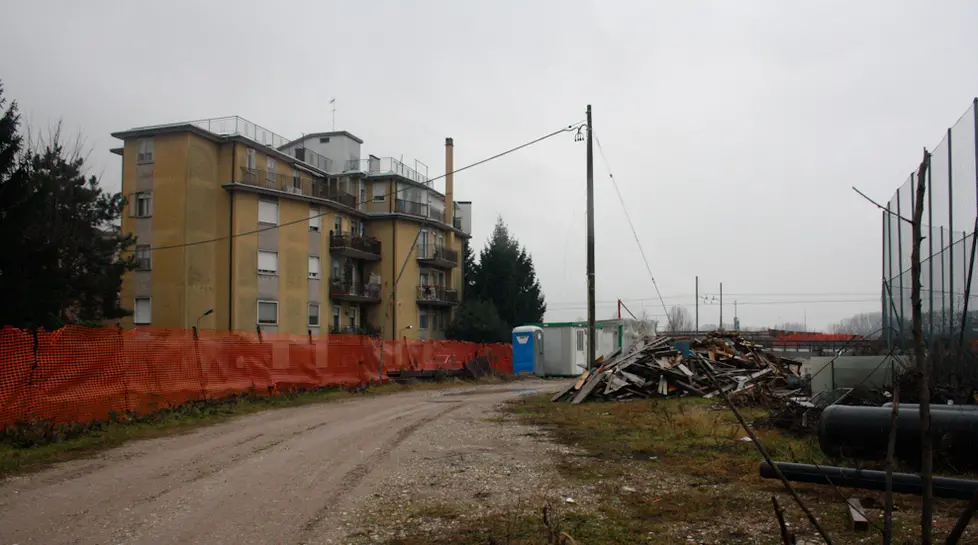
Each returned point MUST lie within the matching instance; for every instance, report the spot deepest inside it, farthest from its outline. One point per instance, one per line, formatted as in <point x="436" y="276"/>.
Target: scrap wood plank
<point x="856" y="515"/>
<point x="613" y="384"/>
<point x="580" y="382"/>
<point x="563" y="392"/>
<point x="593" y="382"/>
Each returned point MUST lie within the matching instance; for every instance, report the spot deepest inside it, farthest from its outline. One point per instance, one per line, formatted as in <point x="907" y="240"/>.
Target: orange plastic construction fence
<point x="79" y="374"/>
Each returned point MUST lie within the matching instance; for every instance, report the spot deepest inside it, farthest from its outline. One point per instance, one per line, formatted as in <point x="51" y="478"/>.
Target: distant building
<point x="289" y="235"/>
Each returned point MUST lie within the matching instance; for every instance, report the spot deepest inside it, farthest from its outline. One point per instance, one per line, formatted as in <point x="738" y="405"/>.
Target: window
<point x="142" y="205"/>
<point x="143" y="257"/>
<point x="251" y="162"/>
<point x="313" y="314"/>
<point x="267" y="211"/>
<point x="377" y="191"/>
<point x="422" y="319"/>
<point x="142" y="311"/>
<point x="336" y="267"/>
<point x="324" y="140"/>
<point x="313" y="266"/>
<point x="296" y="182"/>
<point x="352" y="315"/>
<point x="144" y="150"/>
<point x="423" y="243"/>
<point x="363" y="194"/>
<point x="363" y="229"/>
<point x="336" y="318"/>
<point x="338" y="224"/>
<point x="268" y="312"/>
<point x="315" y="220"/>
<point x="270" y="169"/>
<point x="580" y="341"/>
<point x="267" y="262"/>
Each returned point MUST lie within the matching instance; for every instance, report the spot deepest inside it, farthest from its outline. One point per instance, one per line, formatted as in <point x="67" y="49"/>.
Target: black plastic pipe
<point x="935" y="407"/>
<point x="903" y="483"/>
<point x="862" y="432"/>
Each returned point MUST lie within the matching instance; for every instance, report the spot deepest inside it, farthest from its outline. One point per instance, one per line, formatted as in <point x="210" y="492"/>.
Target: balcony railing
<point x="351" y="330"/>
<point x="438" y="255"/>
<point x="355" y="245"/>
<point x="341" y="197"/>
<point x="310" y="157"/>
<point x="345" y="290"/>
<point x="436" y="214"/>
<point x="381" y="166"/>
<point x="296" y="185"/>
<point x="410" y="207"/>
<point x="437" y="295"/>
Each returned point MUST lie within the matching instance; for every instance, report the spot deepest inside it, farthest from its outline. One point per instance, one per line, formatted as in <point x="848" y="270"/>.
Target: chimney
<point x="449" y="181"/>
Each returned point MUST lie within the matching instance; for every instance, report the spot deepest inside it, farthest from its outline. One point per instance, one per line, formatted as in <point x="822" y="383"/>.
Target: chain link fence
<point x="950" y="219"/>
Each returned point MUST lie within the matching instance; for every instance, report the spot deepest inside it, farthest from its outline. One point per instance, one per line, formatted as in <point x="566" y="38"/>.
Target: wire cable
<point x="632" y="226"/>
<point x="388" y="194"/>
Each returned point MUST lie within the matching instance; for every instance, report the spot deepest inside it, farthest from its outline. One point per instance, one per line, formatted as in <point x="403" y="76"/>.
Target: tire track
<point x="356" y="475"/>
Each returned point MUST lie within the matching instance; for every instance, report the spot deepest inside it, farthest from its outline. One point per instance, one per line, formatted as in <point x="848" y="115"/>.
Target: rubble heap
<point x="665" y="366"/>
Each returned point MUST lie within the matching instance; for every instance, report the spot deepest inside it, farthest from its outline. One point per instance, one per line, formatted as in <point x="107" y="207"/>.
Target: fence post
<point x="258" y="329"/>
<point x="200" y="366"/>
<point x="125" y="367"/>
<point x="900" y="263"/>
<point x="309" y="332"/>
<point x="950" y="230"/>
<point x="930" y="253"/>
<point x="943" y="285"/>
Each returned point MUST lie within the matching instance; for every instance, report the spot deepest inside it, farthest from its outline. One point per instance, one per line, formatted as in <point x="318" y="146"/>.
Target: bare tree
<point x="679" y="319"/>
<point x="865" y="323"/>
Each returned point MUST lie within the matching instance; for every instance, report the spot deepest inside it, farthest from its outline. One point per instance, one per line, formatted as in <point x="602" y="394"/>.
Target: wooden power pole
<point x="591" y="340"/>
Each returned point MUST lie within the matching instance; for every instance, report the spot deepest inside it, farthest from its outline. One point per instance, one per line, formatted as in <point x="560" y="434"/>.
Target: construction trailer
<point x="565" y="346"/>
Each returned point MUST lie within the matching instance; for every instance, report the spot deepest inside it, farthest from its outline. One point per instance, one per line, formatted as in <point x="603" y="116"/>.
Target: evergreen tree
<point x="468" y="267"/>
<point x="477" y="321"/>
<point x="506" y="277"/>
<point x="61" y="252"/>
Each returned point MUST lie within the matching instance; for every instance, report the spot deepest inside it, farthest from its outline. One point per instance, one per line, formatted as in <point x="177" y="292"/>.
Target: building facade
<point x="292" y="236"/>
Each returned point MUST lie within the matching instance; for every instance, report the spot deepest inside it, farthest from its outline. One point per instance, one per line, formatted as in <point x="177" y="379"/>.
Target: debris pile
<point x="664" y="366"/>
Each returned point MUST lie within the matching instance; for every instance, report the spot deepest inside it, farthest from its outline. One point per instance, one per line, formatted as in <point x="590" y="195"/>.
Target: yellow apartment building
<point x="239" y="228"/>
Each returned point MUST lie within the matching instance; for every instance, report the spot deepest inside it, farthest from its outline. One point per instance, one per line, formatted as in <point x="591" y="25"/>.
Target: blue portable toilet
<point x="527" y="349"/>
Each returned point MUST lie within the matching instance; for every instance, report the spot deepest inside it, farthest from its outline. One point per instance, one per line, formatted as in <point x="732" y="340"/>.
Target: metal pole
<point x="950" y="230"/>
<point x="883" y="275"/>
<point x="697" y="303"/>
<point x="590" y="242"/>
<point x="721" y="306"/>
<point x="943" y="288"/>
<point x="900" y="265"/>
<point x="930" y="258"/>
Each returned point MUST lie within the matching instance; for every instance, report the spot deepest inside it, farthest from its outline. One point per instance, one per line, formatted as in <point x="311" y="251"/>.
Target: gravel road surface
<point x="282" y="476"/>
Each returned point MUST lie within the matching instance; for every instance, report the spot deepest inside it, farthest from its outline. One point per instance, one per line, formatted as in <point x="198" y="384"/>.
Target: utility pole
<point x="697" y="303"/>
<point x="590" y="242"/>
<point x="721" y="305"/>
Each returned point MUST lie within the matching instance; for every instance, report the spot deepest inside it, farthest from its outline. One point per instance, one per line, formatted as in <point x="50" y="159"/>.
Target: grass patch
<point x="684" y="435"/>
<point x="33" y="446"/>
<point x="667" y="471"/>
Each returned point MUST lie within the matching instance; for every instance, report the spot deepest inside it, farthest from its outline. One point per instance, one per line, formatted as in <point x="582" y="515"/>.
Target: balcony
<point x="438" y="256"/>
<point x="402" y="206"/>
<point x="437" y="296"/>
<point x="355" y="246"/>
<point x="296" y="185"/>
<point x="351" y="330"/>
<point x="341" y="289"/>
<point x="388" y="166"/>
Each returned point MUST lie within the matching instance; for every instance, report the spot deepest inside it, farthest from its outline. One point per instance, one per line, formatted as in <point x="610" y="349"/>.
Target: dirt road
<point x="282" y="476"/>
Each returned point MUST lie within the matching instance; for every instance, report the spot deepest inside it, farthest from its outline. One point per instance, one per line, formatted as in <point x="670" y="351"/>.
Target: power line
<point x="388" y="194"/>
<point x="630" y="224"/>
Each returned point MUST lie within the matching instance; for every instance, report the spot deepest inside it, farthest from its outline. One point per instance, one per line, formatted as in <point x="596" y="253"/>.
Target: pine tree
<point x="61" y="251"/>
<point x="506" y="277"/>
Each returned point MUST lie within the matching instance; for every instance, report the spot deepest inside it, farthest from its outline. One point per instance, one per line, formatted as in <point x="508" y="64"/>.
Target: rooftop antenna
<point x="333" y="102"/>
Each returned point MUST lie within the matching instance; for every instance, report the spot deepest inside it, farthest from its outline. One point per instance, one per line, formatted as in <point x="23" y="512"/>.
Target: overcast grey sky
<point x="734" y="129"/>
